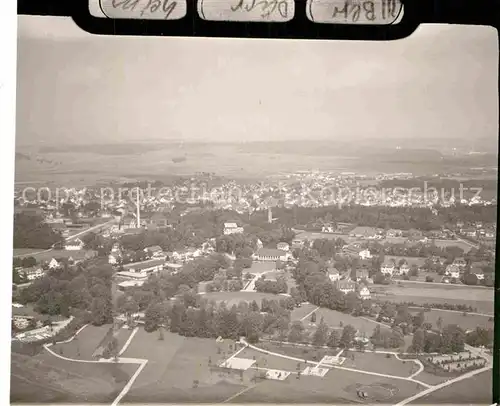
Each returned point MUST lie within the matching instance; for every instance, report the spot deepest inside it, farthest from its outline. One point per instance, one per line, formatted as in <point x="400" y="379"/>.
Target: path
<point x="142" y="362"/>
<point x="308" y="314"/>
<point x="243" y="341"/>
<point x="250" y="287"/>
<point x="88" y="230"/>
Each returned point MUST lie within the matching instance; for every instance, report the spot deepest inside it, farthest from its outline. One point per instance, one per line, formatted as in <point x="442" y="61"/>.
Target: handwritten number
<point x="168" y="7"/>
<point x="369" y="8"/>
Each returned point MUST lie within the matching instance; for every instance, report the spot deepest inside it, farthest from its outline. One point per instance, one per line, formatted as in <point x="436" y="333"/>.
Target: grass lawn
<point x="271" y="361"/>
<point x="337" y="387"/>
<point x="308" y="353"/>
<point x="175" y="363"/>
<point x="259" y="267"/>
<point x="373" y="362"/>
<point x="85" y="343"/>
<point x="25" y="252"/>
<point x="48" y="379"/>
<point x="466" y="322"/>
<point x="333" y="319"/>
<point x="302" y="311"/>
<point x="474" y="390"/>
<point x="232" y="298"/>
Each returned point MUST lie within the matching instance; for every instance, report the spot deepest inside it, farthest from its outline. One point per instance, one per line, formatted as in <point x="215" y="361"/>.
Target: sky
<point x="74" y="87"/>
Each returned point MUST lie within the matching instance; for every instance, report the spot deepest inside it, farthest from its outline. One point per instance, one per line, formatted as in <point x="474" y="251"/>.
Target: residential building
<point x="460" y="262"/>
<point x="453" y="271"/>
<point x="333" y="274"/>
<point x="74" y="245"/>
<point x="388" y="268"/>
<point x="155" y="251"/>
<point x="147" y="267"/>
<point x="363" y="232"/>
<point x="365" y="254"/>
<point x="283" y="246"/>
<point x="364" y="293"/>
<point x="53" y="264"/>
<point x="32" y="273"/>
<point x="346" y="286"/>
<point x="404" y="269"/>
<point x="232" y="228"/>
<point x="269" y="254"/>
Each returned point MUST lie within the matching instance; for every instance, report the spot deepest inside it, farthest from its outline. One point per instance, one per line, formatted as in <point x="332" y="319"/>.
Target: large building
<point x="269" y="254"/>
<point x="232" y="228"/>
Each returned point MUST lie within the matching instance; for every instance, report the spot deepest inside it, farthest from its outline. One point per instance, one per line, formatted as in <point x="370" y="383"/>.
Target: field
<point x="471" y="321"/>
<point x="477" y="297"/>
<point x="338" y="386"/>
<point x="260" y="267"/>
<point x="333" y="319"/>
<point x="47" y="379"/>
<point x="24" y="252"/>
<point x="306" y="353"/>
<point x="474" y="390"/>
<point x="180" y="369"/>
<point x="232" y="298"/>
<point x="87" y="341"/>
<point x="373" y="362"/>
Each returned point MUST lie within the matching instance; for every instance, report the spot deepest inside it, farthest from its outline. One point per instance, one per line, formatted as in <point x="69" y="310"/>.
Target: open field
<point x="470" y="321"/>
<point x="271" y="361"/>
<point x="482" y="306"/>
<point x="25" y="252"/>
<point x="88" y="340"/>
<point x="232" y="298"/>
<point x="307" y="353"/>
<point x="299" y="312"/>
<point x="380" y="363"/>
<point x="177" y="364"/>
<point x="474" y="390"/>
<point x="48" y="379"/>
<point x="259" y="267"/>
<point x="338" y="386"/>
<point x="333" y="319"/>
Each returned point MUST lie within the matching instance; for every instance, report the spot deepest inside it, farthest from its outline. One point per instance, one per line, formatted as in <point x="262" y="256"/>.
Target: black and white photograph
<point x="230" y="220"/>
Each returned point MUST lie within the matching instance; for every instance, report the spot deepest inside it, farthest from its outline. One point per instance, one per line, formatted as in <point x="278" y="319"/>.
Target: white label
<point x="381" y="12"/>
<point x="247" y="10"/>
<point x="144" y="9"/>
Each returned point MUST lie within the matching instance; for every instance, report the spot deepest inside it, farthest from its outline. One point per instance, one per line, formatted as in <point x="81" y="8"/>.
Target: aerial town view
<point x="335" y="268"/>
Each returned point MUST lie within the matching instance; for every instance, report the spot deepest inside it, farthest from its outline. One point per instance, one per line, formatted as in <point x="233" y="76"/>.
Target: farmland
<point x="47" y="379"/>
<point x="470" y="321"/>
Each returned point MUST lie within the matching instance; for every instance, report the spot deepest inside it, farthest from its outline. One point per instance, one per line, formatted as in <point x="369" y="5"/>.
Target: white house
<point x="346" y="286"/>
<point x="113" y="258"/>
<point x="365" y="254"/>
<point x="404" y="269"/>
<point x="283" y="246"/>
<point x="33" y="273"/>
<point x="232" y="228"/>
<point x="453" y="271"/>
<point x="74" y="245"/>
<point x="53" y="264"/>
<point x="267" y="254"/>
<point x="333" y="274"/>
<point x="387" y="268"/>
<point x="364" y="293"/>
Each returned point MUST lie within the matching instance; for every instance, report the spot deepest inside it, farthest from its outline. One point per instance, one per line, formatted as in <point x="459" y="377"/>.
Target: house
<point x="362" y="274"/>
<point x="363" y="232"/>
<point x="283" y="246"/>
<point x="232" y="228"/>
<point x="346" y="286"/>
<point x="460" y="262"/>
<point x="364" y="293"/>
<point x="327" y="229"/>
<point x="126" y="285"/>
<point x="53" y="264"/>
<point x="268" y="254"/>
<point x="74" y="245"/>
<point x="32" y="273"/>
<point x="394" y="233"/>
<point x="404" y="269"/>
<point x="365" y="254"/>
<point x="146" y="267"/>
<point x="116" y="248"/>
<point x="134" y="276"/>
<point x="453" y="271"/>
<point x="333" y="274"/>
<point x="388" y="268"/>
<point x="114" y="258"/>
<point x="155" y="251"/>
<point x="478" y="272"/>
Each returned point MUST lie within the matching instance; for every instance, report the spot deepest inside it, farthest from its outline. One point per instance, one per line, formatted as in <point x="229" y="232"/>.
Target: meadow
<point x="45" y="378"/>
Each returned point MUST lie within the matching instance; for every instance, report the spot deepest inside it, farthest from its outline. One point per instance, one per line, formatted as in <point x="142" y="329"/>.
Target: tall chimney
<point x="269" y="215"/>
<point x="138" y="210"/>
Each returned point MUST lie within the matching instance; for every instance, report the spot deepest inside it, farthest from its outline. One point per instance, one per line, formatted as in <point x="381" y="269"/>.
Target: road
<point x="88" y="230"/>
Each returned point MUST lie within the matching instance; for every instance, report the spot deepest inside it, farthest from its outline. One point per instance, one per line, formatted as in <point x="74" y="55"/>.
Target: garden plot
<point x="315" y="371"/>
<point x="237" y="363"/>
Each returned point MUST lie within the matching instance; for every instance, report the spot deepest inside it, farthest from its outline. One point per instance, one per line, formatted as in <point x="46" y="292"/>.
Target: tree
<point x="470" y="279"/>
<point x="418" y="341"/>
<point x="313" y="317"/>
<point x="101" y="311"/>
<point x="296" y="332"/>
<point x="348" y="335"/>
<point x="418" y="319"/>
<point x="321" y="334"/>
<point x="154" y="317"/>
<point x="429" y="278"/>
<point x="439" y="323"/>
<point x="453" y="339"/>
<point x="254" y="306"/>
<point x="333" y="339"/>
<point x="396" y="338"/>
